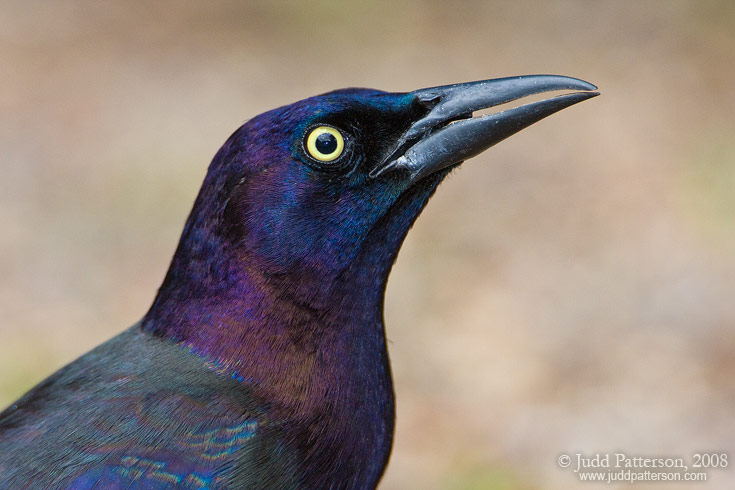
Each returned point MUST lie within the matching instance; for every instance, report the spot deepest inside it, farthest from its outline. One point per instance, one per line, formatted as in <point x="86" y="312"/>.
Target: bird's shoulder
<point x="138" y="412"/>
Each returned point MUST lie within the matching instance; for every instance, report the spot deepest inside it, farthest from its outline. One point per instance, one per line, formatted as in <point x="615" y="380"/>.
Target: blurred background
<point x="570" y="290"/>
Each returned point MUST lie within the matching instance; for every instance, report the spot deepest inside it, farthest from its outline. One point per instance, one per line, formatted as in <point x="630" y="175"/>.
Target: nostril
<point x="430" y="100"/>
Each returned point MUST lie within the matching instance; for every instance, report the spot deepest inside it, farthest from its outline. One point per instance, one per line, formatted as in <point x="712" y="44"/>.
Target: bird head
<point x="323" y="191"/>
<point x="279" y="277"/>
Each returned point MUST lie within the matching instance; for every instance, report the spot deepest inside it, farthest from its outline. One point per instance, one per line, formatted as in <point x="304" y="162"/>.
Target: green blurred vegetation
<point x="484" y="477"/>
<point x="708" y="181"/>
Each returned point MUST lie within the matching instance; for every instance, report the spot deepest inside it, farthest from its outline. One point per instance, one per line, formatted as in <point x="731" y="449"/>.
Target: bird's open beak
<point x="448" y="134"/>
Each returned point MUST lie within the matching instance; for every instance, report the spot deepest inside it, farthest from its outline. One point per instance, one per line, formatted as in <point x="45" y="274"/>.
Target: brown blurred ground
<point x="570" y="290"/>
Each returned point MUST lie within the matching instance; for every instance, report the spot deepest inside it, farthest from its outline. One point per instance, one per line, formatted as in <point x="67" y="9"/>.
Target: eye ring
<point x="325" y="143"/>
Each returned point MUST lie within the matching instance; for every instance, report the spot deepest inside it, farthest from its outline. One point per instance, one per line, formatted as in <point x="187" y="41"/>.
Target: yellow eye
<point x="325" y="143"/>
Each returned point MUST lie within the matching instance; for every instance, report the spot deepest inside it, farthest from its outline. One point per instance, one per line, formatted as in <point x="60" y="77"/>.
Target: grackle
<point x="262" y="363"/>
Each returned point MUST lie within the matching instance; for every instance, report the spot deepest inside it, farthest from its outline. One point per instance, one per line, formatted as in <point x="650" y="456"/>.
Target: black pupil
<point x="326" y="143"/>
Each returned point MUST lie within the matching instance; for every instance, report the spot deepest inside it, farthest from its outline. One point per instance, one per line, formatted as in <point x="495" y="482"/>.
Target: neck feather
<point x="311" y="346"/>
